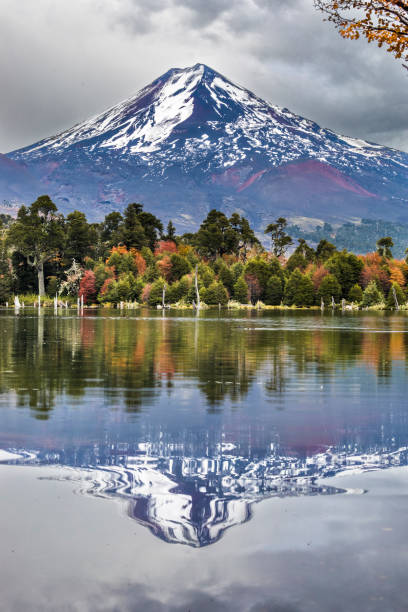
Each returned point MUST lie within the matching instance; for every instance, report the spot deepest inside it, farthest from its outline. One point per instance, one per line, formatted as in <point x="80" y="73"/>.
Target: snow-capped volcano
<point x="192" y="140"/>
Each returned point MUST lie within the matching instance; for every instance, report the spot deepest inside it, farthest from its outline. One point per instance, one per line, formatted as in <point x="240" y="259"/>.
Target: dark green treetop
<point x="38" y="234"/>
<point x="279" y="238"/>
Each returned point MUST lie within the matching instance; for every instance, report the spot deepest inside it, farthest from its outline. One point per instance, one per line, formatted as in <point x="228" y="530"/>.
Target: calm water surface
<point x="268" y="448"/>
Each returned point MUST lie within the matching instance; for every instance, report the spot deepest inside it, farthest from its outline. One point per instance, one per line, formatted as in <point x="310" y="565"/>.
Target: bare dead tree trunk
<point x="196" y="288"/>
<point x="40" y="273"/>
<point x="394" y="294"/>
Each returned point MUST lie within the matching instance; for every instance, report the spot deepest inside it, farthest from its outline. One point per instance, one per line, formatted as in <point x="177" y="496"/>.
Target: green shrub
<point x="156" y="293"/>
<point x="372" y="295"/>
<point x="214" y="294"/>
<point x="241" y="293"/>
<point x="329" y="287"/>
<point x="355" y="294"/>
<point x="274" y="291"/>
<point x="299" y="290"/>
<point x="179" y="266"/>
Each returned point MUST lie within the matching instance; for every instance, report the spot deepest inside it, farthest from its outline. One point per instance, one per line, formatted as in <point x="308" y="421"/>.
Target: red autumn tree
<point x="87" y="287"/>
<point x="106" y="285"/>
<point x="165" y="246"/>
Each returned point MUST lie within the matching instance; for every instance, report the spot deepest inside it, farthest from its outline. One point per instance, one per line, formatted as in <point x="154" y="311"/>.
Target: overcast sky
<point x="64" y="61"/>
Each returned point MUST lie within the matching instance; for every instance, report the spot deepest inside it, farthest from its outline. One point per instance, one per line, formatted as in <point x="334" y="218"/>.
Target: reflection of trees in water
<point x="132" y="360"/>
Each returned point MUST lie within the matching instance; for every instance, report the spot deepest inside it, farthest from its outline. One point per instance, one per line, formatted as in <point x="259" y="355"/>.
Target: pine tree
<point x="372" y="295"/>
<point x="299" y="290"/>
<point x="171" y="231"/>
<point x="355" y="294"/>
<point x="329" y="287"/>
<point x="274" y="291"/>
<point x="215" y="294"/>
<point x="241" y="292"/>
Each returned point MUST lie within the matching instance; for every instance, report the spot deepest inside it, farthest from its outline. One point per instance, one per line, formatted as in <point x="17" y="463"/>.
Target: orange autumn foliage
<point x="397" y="275"/>
<point x="165" y="267"/>
<point x="139" y="261"/>
<point x="384" y="22"/>
<point x="165" y="246"/>
<point x="318" y="275"/>
<point x="374" y="270"/>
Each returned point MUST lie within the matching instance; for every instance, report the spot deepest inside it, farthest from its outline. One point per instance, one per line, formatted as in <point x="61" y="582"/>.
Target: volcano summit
<point x="191" y="141"/>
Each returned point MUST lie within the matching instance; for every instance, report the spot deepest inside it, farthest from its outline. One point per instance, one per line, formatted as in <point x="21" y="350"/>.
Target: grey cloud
<point x="205" y="12"/>
<point x="138" y="16"/>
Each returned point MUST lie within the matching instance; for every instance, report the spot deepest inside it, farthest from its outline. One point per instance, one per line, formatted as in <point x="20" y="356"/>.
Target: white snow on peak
<point x="174" y="105"/>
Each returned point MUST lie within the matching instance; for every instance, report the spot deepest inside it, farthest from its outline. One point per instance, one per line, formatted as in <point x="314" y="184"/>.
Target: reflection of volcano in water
<point x="193" y="501"/>
<point x="190" y="493"/>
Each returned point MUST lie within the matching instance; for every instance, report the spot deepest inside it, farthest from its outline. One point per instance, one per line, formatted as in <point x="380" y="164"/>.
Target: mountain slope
<point x="192" y="140"/>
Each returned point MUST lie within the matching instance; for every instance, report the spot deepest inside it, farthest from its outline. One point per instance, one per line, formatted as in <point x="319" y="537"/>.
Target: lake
<point x="230" y="460"/>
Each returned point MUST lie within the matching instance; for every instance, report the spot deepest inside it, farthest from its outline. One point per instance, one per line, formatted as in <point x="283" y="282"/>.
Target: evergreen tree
<point x="226" y="277"/>
<point x="355" y="294"/>
<point x="111" y="230"/>
<point x="279" y="238"/>
<point x="301" y="257"/>
<point x="215" y="236"/>
<point x="372" y="295"/>
<point x="171" y="231"/>
<point x="241" y="291"/>
<point x="38" y="235"/>
<point x="261" y="270"/>
<point x="246" y="235"/>
<point x="179" y="266"/>
<point x="324" y="250"/>
<point x="299" y="290"/>
<point x="329" y="287"/>
<point x="156" y="292"/>
<point x="78" y="237"/>
<point x="237" y="270"/>
<point x="274" y="291"/>
<point x="384" y="246"/>
<point x="131" y="230"/>
<point x="5" y="273"/>
<point x="346" y="267"/>
<point x="215" y="294"/>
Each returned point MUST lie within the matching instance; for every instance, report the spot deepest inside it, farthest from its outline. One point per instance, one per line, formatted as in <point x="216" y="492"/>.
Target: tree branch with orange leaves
<point x="382" y="21"/>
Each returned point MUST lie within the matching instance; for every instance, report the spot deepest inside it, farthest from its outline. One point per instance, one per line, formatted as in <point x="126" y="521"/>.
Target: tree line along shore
<point x="132" y="259"/>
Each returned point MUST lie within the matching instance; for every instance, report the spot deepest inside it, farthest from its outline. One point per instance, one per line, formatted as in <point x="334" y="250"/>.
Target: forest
<point x="131" y="258"/>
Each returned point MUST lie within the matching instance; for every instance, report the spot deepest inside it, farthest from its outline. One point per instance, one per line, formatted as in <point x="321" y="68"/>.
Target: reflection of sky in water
<point x="194" y="420"/>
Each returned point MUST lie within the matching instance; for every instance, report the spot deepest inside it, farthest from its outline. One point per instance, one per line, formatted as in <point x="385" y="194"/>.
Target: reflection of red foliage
<point x="165" y="246"/>
<point x="165" y="266"/>
<point x="253" y="286"/>
<point x="87" y="332"/>
<point x="87" y="286"/>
